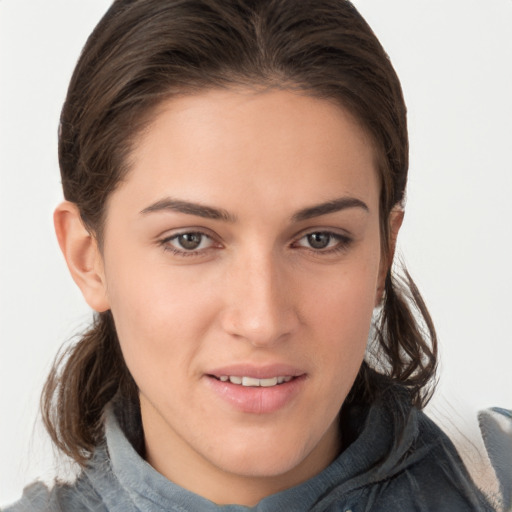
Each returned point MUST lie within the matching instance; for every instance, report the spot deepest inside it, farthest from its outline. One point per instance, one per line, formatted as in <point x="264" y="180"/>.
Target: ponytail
<point x="403" y="349"/>
<point x="84" y="378"/>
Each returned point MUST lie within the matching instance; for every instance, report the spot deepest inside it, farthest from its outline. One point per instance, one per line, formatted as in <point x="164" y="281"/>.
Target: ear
<point x="82" y="255"/>
<point x="395" y="220"/>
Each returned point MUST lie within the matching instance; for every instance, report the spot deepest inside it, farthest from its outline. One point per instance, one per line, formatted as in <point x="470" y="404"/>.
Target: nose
<point x="259" y="305"/>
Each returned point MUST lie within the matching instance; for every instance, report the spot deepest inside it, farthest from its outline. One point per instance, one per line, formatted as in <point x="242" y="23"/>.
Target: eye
<point x="188" y="243"/>
<point x="324" y="241"/>
<point x="319" y="240"/>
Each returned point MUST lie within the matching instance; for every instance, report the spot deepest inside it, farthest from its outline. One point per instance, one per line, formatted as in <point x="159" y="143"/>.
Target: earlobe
<point x="82" y="255"/>
<point x="395" y="220"/>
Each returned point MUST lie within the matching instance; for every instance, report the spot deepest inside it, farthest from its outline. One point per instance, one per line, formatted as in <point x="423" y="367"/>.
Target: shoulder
<point x="496" y="428"/>
<point x="424" y="470"/>
<point x="435" y="476"/>
<point x="78" y="497"/>
<point x="398" y="459"/>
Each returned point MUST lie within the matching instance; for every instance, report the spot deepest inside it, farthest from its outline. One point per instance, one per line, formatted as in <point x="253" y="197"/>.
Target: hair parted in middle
<point x="144" y="52"/>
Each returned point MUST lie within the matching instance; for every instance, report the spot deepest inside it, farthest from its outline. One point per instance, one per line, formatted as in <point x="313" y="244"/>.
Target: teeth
<point x="253" y="382"/>
<point x="250" y="381"/>
<point x="266" y="383"/>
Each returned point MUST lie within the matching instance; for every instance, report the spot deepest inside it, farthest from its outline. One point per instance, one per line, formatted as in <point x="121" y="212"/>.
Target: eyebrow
<point x="332" y="206"/>
<point x="209" y="212"/>
<point x="177" y="205"/>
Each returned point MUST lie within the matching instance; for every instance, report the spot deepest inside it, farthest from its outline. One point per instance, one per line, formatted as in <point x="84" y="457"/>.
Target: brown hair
<point x="145" y="51"/>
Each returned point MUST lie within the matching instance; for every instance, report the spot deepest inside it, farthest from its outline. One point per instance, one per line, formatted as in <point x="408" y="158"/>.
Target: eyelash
<point x="166" y="244"/>
<point x="343" y="243"/>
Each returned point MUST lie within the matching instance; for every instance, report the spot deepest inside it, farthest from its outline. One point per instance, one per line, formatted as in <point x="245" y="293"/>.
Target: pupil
<point x="319" y="240"/>
<point x="190" y="240"/>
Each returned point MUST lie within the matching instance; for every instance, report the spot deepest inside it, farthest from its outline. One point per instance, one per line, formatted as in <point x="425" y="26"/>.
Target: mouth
<point x="257" y="390"/>
<point x="254" y="382"/>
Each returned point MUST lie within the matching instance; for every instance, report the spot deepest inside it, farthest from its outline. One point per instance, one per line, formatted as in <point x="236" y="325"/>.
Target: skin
<point x="255" y="291"/>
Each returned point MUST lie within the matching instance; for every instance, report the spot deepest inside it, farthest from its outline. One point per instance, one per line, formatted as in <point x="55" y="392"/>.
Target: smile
<point x="254" y="382"/>
<point x="257" y="395"/>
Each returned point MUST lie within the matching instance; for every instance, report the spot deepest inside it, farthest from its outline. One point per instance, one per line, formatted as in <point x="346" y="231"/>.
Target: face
<point x="241" y="262"/>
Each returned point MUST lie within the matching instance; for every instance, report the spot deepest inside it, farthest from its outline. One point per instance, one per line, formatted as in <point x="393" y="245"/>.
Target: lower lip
<point x="257" y="400"/>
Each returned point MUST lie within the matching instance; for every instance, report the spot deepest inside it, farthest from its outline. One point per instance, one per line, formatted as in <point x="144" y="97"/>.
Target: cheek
<point x="343" y="301"/>
<point x="343" y="328"/>
<point x="340" y="311"/>
<point x="160" y="316"/>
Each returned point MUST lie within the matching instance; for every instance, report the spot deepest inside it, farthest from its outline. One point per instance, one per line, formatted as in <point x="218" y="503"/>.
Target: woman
<point x="234" y="174"/>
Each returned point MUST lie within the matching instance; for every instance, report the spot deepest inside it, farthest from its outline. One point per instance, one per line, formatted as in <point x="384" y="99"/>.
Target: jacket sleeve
<point x="76" y="497"/>
<point x="496" y="427"/>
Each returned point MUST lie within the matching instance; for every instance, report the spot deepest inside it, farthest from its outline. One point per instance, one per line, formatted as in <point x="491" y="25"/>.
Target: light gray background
<point x="454" y="58"/>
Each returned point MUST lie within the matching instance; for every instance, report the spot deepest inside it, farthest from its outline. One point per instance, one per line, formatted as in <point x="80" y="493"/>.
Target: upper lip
<point x="256" y="371"/>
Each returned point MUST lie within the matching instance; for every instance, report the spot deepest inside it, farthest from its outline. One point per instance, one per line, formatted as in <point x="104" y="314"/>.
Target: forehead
<point x="232" y="145"/>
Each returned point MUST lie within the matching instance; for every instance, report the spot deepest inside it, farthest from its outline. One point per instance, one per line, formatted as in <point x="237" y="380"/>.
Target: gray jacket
<point x="394" y="463"/>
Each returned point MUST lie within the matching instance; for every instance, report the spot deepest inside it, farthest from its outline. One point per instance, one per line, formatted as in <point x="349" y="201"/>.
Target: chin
<point x="274" y="456"/>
